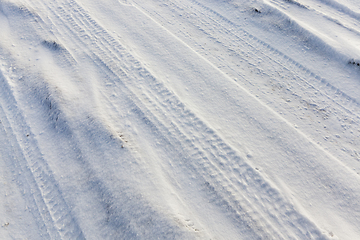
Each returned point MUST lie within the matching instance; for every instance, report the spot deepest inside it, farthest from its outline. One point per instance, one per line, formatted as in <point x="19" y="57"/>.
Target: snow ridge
<point x="178" y="120"/>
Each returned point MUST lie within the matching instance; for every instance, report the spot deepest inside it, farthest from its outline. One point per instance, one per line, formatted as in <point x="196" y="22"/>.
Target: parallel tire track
<point x="244" y="39"/>
<point x="282" y="75"/>
<point x="53" y="209"/>
<point x="224" y="173"/>
<point x="314" y="81"/>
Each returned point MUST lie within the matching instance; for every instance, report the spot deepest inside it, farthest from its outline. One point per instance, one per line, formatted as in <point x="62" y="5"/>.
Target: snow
<point x="183" y="119"/>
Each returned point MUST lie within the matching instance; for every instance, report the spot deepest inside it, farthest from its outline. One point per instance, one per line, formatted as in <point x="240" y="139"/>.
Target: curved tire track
<point x="28" y="161"/>
<point x="281" y="74"/>
<point x="228" y="179"/>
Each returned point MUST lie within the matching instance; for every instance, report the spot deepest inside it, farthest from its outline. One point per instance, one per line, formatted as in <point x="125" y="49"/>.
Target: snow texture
<point x="182" y="119"/>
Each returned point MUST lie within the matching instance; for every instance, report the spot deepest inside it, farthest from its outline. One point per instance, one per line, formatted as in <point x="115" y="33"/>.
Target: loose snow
<point x="182" y="119"/>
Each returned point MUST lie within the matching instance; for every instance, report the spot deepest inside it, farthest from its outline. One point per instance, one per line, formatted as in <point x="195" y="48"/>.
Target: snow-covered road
<point x="181" y="119"/>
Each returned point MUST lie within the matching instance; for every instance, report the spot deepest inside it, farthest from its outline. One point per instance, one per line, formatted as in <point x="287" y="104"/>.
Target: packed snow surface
<point x="180" y="119"/>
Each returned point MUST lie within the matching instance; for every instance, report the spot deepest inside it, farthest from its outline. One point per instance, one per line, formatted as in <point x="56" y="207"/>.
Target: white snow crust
<point x="181" y="119"/>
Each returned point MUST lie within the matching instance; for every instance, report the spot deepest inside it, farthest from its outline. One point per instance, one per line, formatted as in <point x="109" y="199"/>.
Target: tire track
<point x="284" y="75"/>
<point x="236" y="33"/>
<point x="39" y="182"/>
<point x="216" y="160"/>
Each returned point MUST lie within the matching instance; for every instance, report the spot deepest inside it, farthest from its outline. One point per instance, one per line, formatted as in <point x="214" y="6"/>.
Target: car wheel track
<point x="323" y="97"/>
<point x="48" y="200"/>
<point x="210" y="161"/>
